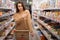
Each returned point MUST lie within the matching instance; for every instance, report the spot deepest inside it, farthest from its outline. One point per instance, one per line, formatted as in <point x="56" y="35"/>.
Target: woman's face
<point x="20" y="7"/>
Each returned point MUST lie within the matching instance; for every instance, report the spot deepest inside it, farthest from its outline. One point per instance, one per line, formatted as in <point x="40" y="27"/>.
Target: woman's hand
<point x="32" y="33"/>
<point x="24" y="16"/>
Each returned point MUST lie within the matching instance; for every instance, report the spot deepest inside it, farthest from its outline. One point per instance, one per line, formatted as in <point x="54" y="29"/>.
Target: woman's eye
<point x="18" y="6"/>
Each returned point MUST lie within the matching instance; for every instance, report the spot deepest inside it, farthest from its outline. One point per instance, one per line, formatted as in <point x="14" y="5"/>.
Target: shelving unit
<point x="9" y="29"/>
<point x="49" y="28"/>
<point x="5" y="9"/>
<point x="56" y="20"/>
<point x="11" y="37"/>
<point x="5" y="15"/>
<point x="7" y="23"/>
<point x="47" y="10"/>
<point x="45" y="33"/>
<point x="51" y="9"/>
<point x="7" y="32"/>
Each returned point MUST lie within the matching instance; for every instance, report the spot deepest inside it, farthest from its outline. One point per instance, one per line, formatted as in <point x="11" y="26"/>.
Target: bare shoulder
<point x="27" y="11"/>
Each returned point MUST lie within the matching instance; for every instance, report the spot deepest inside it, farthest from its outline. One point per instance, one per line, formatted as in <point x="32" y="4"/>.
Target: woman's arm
<point x="29" y="21"/>
<point x="18" y="17"/>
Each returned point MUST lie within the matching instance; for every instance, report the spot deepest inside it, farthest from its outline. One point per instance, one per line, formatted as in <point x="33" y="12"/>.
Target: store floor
<point x="33" y="38"/>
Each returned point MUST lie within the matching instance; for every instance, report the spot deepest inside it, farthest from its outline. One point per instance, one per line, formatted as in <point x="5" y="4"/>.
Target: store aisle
<point x="15" y="14"/>
<point x="34" y="37"/>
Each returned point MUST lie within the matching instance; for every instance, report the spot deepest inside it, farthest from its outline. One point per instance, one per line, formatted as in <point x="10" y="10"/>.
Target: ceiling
<point x="25" y="2"/>
<point x="21" y="0"/>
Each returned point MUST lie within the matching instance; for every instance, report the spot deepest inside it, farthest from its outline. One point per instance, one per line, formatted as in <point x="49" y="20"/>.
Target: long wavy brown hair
<point x="17" y="10"/>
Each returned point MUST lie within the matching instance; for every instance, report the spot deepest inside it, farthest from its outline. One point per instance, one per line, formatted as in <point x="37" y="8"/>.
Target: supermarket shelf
<point x="7" y="23"/>
<point x="49" y="28"/>
<point x="45" y="33"/>
<point x="5" y="9"/>
<point x="7" y="32"/>
<point x="34" y="18"/>
<point x="52" y="19"/>
<point x="51" y="9"/>
<point x="36" y="10"/>
<point x="4" y="15"/>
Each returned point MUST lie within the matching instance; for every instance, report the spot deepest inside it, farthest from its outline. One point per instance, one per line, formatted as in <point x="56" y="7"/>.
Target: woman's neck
<point x="21" y="12"/>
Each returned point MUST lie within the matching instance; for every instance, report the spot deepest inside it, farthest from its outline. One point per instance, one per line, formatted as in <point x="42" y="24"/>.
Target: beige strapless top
<point x="21" y="21"/>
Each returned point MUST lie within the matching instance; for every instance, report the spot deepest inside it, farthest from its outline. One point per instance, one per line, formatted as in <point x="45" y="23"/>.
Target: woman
<point x="22" y="18"/>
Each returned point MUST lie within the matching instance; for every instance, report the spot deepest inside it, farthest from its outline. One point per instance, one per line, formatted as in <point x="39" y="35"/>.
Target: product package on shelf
<point x="4" y="13"/>
<point x="10" y="5"/>
<point x="0" y="3"/>
<point x="55" y="27"/>
<point x="57" y="3"/>
<point x="48" y="14"/>
<point x="58" y="18"/>
<point x="56" y="15"/>
<point x="4" y="31"/>
<point x="43" y="14"/>
<point x="1" y="13"/>
<point x="10" y="37"/>
<point x="52" y="3"/>
<point x="44" y="4"/>
<point x="7" y="4"/>
<point x="3" y="23"/>
<point x="51" y="15"/>
<point x="35" y="14"/>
